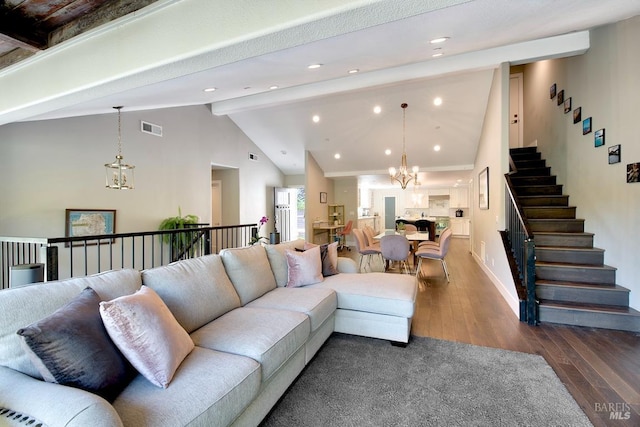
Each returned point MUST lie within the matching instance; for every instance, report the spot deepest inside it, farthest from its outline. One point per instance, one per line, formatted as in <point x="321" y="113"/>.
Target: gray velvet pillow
<point x="72" y="347"/>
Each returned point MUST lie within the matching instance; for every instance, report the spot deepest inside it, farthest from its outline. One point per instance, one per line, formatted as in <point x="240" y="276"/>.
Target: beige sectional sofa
<point x="252" y="336"/>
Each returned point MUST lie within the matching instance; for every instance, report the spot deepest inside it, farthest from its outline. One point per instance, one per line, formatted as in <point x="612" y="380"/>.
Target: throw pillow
<point x="304" y="268"/>
<point x="147" y="334"/>
<point x="328" y="256"/>
<point x="72" y="347"/>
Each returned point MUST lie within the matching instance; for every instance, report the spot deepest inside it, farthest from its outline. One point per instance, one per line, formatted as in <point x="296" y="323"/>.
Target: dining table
<point x="413" y="238"/>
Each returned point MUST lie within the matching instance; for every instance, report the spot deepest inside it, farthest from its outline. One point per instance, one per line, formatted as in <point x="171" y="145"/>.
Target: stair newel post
<point x="530" y="281"/>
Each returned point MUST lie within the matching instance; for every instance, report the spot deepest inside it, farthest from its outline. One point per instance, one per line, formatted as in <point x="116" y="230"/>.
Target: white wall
<point x="493" y="153"/>
<point x="48" y="166"/>
<point x="604" y="82"/>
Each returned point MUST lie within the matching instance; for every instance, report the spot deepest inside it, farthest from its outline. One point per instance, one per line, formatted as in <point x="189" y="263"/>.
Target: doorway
<point x="389" y="212"/>
<point x="515" y="111"/>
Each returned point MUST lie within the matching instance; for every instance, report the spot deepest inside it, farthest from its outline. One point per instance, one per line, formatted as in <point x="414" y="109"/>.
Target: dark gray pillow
<point x="72" y="347"/>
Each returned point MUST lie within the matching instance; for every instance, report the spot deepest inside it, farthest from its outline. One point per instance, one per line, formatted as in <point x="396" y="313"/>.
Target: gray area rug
<point x="355" y="381"/>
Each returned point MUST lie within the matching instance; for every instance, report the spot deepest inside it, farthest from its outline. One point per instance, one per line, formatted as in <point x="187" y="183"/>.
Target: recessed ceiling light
<point x="315" y="118"/>
<point x="355" y="70"/>
<point x="437" y="54"/>
<point x="336" y="156"/>
<point x="210" y="89"/>
<point x="314" y="66"/>
<point x="387" y="151"/>
<point x="436" y="148"/>
<point x="439" y="40"/>
<point x="377" y="109"/>
<point x="273" y="87"/>
<point x="437" y="101"/>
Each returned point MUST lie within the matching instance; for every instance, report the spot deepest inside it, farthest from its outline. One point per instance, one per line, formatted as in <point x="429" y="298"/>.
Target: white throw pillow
<point x="305" y="268"/>
<point x="147" y="334"/>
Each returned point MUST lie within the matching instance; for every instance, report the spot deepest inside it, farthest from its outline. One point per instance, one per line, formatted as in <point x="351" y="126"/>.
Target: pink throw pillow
<point x="305" y="268"/>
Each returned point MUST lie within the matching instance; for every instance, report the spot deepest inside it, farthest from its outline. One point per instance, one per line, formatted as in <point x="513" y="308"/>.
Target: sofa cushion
<point x="304" y="268"/>
<point x="196" y="290"/>
<point x="20" y="307"/>
<point x="72" y="347"/>
<point x="210" y="388"/>
<point x="268" y="336"/>
<point x="381" y="293"/>
<point x="278" y="259"/>
<point x="328" y="256"/>
<point x="317" y="303"/>
<point x="249" y="271"/>
<point x="147" y="334"/>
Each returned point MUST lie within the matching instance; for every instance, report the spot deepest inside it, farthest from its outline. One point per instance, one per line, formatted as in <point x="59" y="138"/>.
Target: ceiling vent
<point x="150" y="128"/>
<point x="253" y="157"/>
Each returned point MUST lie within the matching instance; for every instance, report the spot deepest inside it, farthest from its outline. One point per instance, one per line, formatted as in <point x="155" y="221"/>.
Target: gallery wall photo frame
<point x="598" y="138"/>
<point x="483" y="189"/>
<point x="567" y="105"/>
<point x="89" y="222"/>
<point x="586" y="126"/>
<point x="552" y="91"/>
<point x="615" y="154"/>
<point x="633" y="172"/>
<point x="561" y="97"/>
<point x="323" y="197"/>
<point x="577" y="115"/>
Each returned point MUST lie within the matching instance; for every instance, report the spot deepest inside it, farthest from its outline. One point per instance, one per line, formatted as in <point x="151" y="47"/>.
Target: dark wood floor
<point x="599" y="367"/>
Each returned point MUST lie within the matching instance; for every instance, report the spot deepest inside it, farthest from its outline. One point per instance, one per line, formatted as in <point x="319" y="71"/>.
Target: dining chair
<point x="370" y="238"/>
<point x="395" y="247"/>
<point x="410" y="229"/>
<point x="364" y="250"/>
<point x="431" y="243"/>
<point x="438" y="252"/>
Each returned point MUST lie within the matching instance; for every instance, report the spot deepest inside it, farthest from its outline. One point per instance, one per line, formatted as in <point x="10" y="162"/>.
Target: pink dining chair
<point x="438" y="252"/>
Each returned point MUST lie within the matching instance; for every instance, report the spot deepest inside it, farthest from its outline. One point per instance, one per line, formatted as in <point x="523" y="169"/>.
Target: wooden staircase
<point x="573" y="284"/>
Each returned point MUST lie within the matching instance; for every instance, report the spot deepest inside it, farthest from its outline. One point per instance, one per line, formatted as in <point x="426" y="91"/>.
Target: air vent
<point x="253" y="157"/>
<point x="147" y="127"/>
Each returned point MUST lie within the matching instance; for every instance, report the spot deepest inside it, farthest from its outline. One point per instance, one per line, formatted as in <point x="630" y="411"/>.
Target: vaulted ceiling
<point x="256" y="54"/>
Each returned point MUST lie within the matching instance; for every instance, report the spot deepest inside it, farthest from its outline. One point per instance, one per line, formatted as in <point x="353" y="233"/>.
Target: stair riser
<point x="560" y="226"/>
<point x="538" y="171"/>
<point x="576" y="274"/>
<point x="526" y="164"/>
<point x="582" y="295"/>
<point x="521" y="181"/>
<point x="543" y="190"/>
<point x="590" y="319"/>
<point x="570" y="257"/>
<point x="564" y="240"/>
<point x="516" y="157"/>
<point x="568" y="212"/>
<point x="544" y="201"/>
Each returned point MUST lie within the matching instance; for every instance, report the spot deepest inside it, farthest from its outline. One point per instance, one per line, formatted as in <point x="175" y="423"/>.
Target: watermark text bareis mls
<point x="617" y="411"/>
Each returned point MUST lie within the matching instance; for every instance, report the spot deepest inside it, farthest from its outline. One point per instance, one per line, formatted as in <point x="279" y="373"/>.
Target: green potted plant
<point x="178" y="241"/>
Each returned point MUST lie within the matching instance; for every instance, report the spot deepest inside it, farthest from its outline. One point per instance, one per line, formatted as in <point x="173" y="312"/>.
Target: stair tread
<point x="601" y="308"/>
<point x="566" y="233"/>
<point x="569" y="248"/>
<point x="564" y="264"/>
<point x="616" y="288"/>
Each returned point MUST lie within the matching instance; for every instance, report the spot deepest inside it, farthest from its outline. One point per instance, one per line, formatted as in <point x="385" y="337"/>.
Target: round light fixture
<point x="439" y="40"/>
<point x="436" y="148"/>
<point x="315" y="118"/>
<point x="377" y="109"/>
<point x="437" y="101"/>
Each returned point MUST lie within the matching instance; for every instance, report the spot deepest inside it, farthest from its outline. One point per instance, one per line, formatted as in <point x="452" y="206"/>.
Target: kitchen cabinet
<point x="459" y="197"/>
<point x="416" y="200"/>
<point x="459" y="226"/>
<point x="365" y="197"/>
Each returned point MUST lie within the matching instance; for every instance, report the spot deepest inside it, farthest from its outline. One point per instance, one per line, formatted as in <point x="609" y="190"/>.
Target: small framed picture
<point x="323" y="197"/>
<point x="577" y="115"/>
<point x="615" y="154"/>
<point x="483" y="189"/>
<point x="89" y="222"/>
<point x="567" y="105"/>
<point x="586" y="126"/>
<point x="633" y="172"/>
<point x="561" y="97"/>
<point x="598" y="138"/>
<point x="552" y="91"/>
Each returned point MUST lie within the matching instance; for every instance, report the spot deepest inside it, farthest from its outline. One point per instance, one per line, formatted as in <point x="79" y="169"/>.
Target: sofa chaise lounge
<point x="251" y="337"/>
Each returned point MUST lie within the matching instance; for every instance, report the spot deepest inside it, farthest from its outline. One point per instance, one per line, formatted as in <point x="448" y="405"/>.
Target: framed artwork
<point x="586" y="126"/>
<point x="598" y="138"/>
<point x="633" y="172"/>
<point x="89" y="222"/>
<point x="561" y="97"/>
<point x="567" y="105"/>
<point x="323" y="197"/>
<point x="615" y="154"/>
<point x="552" y="91"/>
<point x="577" y="115"/>
<point x="483" y="189"/>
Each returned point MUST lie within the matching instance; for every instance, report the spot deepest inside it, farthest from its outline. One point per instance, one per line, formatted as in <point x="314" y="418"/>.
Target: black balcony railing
<point x="65" y="257"/>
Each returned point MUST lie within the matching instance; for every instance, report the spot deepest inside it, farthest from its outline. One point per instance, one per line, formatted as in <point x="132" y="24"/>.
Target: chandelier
<point x="402" y="175"/>
<point x="119" y="175"/>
